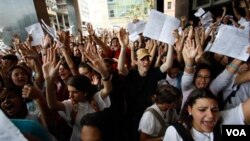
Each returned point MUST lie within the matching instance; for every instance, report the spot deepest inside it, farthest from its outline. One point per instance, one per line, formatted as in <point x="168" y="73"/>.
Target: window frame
<point x="169" y="2"/>
<point x="112" y="13"/>
<point x="211" y="3"/>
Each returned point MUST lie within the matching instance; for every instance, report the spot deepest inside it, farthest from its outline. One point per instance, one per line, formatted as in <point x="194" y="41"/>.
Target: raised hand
<point x="190" y="50"/>
<point x="190" y="33"/>
<point x="16" y="39"/>
<point x="31" y="92"/>
<point x="149" y="45"/>
<point x="97" y="63"/>
<point x="28" y="51"/>
<point x="95" y="79"/>
<point x="64" y="39"/>
<point x="183" y="18"/>
<point x="90" y="29"/>
<point x="47" y="41"/>
<point x="180" y="43"/>
<point x="176" y="35"/>
<point x="123" y="37"/>
<point x="50" y="65"/>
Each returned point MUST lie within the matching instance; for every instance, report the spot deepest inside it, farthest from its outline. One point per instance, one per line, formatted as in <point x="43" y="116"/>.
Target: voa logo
<point x="236" y="132"/>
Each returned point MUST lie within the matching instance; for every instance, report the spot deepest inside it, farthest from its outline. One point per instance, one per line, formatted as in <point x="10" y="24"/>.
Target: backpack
<point x="182" y="131"/>
<point x="160" y="119"/>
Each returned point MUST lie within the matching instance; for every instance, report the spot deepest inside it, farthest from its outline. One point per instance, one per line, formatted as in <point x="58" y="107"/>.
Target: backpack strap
<point x="228" y="99"/>
<point x="217" y="133"/>
<point x="182" y="131"/>
<point x="160" y="119"/>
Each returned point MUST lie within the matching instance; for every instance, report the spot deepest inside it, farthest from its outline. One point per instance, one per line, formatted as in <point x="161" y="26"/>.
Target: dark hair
<point x="10" y="57"/>
<point x="114" y="38"/>
<point x="206" y="58"/>
<point x="108" y="60"/>
<point x="167" y="94"/>
<point x="200" y="67"/>
<point x="23" y="67"/>
<point x="176" y="64"/>
<point x="185" y="118"/>
<point x="83" y="84"/>
<point x="64" y="64"/>
<point x="85" y="65"/>
<point x="13" y="90"/>
<point x="97" y="120"/>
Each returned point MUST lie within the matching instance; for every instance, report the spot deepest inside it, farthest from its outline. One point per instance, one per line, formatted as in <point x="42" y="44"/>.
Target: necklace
<point x="207" y="135"/>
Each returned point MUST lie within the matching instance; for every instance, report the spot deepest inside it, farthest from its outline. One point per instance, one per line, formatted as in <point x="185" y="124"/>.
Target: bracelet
<point x="106" y="79"/>
<point x="189" y="66"/>
<point x="233" y="66"/>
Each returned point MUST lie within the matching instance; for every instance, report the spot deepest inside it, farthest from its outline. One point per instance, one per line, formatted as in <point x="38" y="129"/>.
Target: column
<point x="63" y="22"/>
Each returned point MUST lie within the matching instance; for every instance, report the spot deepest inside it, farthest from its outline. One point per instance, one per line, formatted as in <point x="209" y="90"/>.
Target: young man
<point x="140" y="83"/>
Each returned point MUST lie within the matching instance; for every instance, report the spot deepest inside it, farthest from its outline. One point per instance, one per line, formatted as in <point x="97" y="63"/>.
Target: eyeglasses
<point x="205" y="77"/>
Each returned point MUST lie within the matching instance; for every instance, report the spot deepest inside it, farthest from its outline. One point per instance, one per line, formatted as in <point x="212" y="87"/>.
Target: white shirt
<point x="172" y="81"/>
<point x="83" y="109"/>
<point x="150" y="125"/>
<point x="238" y="118"/>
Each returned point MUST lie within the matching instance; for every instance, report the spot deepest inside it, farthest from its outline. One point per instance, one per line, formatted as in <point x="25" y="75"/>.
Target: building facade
<point x="106" y="13"/>
<point x="121" y="12"/>
<point x="58" y="13"/>
<point x="169" y="7"/>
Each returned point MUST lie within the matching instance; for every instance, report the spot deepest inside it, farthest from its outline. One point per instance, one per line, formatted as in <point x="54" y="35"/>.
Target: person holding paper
<point x="201" y="76"/>
<point x="238" y="90"/>
<point x="241" y="19"/>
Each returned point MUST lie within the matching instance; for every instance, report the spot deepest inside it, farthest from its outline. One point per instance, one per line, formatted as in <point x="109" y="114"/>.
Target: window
<point x="111" y="13"/>
<point x="145" y="10"/>
<point x="206" y="3"/>
<point x="169" y="4"/>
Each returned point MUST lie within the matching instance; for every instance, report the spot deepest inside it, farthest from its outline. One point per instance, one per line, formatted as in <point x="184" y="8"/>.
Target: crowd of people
<point x="107" y="88"/>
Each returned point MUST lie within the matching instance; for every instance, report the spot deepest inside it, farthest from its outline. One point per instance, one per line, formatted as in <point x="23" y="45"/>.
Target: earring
<point x="190" y="114"/>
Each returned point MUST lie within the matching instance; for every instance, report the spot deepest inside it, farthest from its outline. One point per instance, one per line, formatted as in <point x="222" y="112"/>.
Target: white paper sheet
<point x="8" y="131"/>
<point x="199" y="12"/>
<point x="133" y="37"/>
<point x="160" y="26"/>
<point x="231" y="41"/>
<point x="36" y="32"/>
<point x="206" y="18"/>
<point x="131" y="28"/>
<point x="137" y="27"/>
<point x="140" y="26"/>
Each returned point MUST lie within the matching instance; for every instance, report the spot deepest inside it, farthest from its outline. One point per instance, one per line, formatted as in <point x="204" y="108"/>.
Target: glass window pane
<point x="169" y="5"/>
